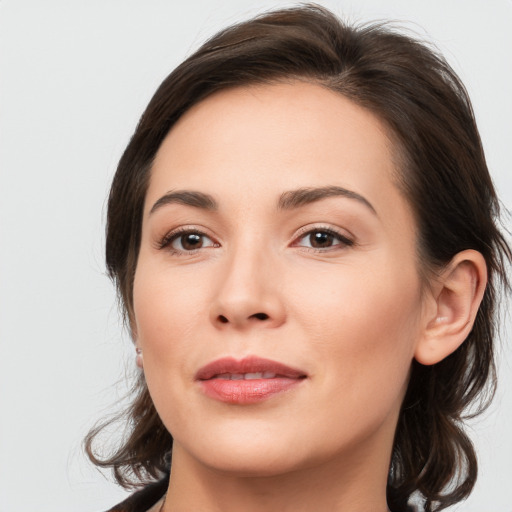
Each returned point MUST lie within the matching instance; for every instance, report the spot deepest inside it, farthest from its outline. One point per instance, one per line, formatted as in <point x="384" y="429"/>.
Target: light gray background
<point x="74" y="77"/>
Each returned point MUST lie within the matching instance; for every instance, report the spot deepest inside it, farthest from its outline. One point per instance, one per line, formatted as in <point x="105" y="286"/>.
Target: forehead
<point x="268" y="138"/>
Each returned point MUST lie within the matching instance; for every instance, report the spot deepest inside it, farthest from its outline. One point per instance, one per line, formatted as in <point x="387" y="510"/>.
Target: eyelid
<point x="164" y="242"/>
<point x="347" y="240"/>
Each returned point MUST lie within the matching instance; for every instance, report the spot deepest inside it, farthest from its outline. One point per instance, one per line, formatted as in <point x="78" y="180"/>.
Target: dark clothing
<point x="143" y="500"/>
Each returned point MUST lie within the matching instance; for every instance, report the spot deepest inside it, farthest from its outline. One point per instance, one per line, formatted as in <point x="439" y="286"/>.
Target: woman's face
<point x="277" y="297"/>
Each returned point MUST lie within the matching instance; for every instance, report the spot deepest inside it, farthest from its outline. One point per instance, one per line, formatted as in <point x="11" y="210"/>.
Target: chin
<point x="245" y="454"/>
<point x="254" y="464"/>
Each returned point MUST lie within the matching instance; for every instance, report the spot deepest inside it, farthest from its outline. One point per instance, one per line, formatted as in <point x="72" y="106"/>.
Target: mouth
<point x="247" y="376"/>
<point x="247" y="381"/>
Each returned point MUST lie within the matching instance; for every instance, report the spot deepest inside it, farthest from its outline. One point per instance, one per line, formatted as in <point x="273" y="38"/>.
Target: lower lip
<point x="247" y="391"/>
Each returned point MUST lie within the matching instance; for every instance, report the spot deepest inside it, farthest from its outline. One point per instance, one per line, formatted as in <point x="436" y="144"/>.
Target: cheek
<point x="364" y="324"/>
<point x="166" y="312"/>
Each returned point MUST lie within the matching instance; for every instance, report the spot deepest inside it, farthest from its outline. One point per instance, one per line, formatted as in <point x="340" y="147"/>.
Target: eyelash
<point x="167" y="241"/>
<point x="169" y="238"/>
<point x="344" y="240"/>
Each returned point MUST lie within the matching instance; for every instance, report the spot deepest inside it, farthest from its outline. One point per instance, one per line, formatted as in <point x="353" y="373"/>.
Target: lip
<point x="215" y="382"/>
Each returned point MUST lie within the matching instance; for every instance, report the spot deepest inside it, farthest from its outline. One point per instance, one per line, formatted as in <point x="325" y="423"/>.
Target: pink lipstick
<point x="247" y="381"/>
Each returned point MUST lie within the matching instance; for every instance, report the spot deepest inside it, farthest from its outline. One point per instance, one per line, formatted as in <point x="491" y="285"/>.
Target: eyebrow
<point x="188" y="198"/>
<point x="303" y="196"/>
<point x="288" y="200"/>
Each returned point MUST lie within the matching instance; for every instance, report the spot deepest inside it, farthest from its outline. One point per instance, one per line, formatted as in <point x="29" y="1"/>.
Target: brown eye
<point x="320" y="239"/>
<point x="323" y="239"/>
<point x="190" y="241"/>
<point x="187" y="241"/>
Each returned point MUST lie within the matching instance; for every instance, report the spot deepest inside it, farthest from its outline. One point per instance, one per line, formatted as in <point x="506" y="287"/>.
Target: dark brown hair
<point x="441" y="171"/>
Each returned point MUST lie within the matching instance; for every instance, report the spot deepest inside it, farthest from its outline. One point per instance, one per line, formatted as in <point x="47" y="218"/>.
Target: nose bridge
<point x="246" y="293"/>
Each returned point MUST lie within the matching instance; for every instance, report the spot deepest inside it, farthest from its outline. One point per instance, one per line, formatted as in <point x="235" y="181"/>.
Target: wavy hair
<point x="441" y="170"/>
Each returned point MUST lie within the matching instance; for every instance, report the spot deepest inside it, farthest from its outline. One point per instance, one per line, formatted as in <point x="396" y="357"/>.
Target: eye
<point x="323" y="238"/>
<point x="186" y="241"/>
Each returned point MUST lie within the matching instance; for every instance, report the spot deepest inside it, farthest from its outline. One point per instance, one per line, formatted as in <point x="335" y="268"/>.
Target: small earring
<point x="138" y="357"/>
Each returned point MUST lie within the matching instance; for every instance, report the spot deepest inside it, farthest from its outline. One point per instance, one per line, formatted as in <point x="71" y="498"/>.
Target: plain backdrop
<point x="75" y="76"/>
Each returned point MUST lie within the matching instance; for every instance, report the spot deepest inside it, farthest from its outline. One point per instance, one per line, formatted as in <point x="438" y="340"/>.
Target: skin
<point x="349" y="314"/>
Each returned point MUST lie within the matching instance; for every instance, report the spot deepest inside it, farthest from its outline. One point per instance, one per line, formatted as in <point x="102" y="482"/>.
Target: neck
<point x="356" y="486"/>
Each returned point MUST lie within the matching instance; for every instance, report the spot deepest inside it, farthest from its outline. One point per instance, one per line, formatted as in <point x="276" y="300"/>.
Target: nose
<point x="248" y="294"/>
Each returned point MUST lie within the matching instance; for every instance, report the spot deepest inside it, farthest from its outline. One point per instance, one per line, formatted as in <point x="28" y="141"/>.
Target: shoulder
<point x="144" y="499"/>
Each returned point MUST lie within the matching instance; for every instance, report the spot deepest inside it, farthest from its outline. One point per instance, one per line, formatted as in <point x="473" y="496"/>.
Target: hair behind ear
<point x="453" y="366"/>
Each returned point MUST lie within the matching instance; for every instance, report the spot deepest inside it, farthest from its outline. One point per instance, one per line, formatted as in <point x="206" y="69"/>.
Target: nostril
<point x="260" y="316"/>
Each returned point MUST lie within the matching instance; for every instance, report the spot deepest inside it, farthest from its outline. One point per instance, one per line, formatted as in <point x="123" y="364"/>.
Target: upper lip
<point x="250" y="364"/>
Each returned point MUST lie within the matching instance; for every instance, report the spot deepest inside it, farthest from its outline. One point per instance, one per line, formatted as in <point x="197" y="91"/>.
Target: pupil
<point x="191" y="241"/>
<point x="321" y="239"/>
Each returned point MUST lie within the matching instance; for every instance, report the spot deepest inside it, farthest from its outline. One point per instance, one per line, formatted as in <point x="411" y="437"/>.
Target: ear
<point x="455" y="296"/>
<point x="139" y="360"/>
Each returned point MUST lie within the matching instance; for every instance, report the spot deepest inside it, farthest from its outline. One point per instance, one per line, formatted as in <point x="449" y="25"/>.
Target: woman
<point x="303" y="234"/>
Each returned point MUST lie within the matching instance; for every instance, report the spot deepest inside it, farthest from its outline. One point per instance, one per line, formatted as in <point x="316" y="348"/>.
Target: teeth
<point x="246" y="376"/>
<point x="252" y="376"/>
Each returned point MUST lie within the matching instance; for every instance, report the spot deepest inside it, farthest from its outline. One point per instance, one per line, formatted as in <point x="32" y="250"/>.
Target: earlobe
<point x="457" y="294"/>
<point x="138" y="358"/>
<point x="138" y="351"/>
